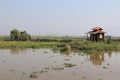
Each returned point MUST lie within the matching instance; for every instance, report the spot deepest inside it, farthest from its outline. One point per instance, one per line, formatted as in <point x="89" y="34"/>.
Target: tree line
<point x="16" y="35"/>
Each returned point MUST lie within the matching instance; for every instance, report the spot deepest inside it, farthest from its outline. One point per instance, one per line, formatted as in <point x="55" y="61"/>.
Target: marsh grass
<point x="96" y="46"/>
<point x="26" y="44"/>
<point x="88" y="46"/>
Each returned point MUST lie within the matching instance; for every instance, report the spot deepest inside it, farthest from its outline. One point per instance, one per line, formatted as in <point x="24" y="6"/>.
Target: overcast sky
<point x="59" y="17"/>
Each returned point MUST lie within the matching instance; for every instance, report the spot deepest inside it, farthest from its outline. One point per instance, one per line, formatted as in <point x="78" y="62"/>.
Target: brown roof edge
<point x="91" y="32"/>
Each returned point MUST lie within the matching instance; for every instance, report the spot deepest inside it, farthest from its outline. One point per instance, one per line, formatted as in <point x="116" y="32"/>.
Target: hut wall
<point x="97" y="37"/>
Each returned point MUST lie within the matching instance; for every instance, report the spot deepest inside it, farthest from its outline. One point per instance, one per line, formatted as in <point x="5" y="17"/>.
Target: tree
<point x="21" y="36"/>
<point x="24" y="36"/>
<point x="14" y="34"/>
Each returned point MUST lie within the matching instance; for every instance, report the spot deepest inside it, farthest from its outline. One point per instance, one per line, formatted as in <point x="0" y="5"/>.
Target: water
<point x="44" y="64"/>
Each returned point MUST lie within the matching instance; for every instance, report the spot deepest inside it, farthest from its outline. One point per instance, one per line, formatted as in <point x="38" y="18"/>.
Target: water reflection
<point x="97" y="59"/>
<point x="109" y="53"/>
<point x="15" y="51"/>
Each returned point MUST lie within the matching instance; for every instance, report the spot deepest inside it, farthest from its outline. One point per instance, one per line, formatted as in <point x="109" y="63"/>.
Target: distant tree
<point x="21" y="36"/>
<point x="24" y="36"/>
<point x="14" y="34"/>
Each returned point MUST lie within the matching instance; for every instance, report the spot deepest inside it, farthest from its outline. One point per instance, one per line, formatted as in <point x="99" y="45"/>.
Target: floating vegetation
<point x="45" y="52"/>
<point x="58" y="68"/>
<point x="106" y="66"/>
<point x="33" y="75"/>
<point x="69" y="65"/>
<point x="47" y="68"/>
<point x="43" y="71"/>
<point x="55" y="50"/>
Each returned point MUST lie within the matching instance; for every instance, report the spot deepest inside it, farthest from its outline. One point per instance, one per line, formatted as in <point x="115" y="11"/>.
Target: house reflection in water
<point x="97" y="59"/>
<point x="109" y="53"/>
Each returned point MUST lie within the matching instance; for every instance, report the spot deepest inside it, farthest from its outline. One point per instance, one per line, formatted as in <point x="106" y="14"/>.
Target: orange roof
<point x="97" y="29"/>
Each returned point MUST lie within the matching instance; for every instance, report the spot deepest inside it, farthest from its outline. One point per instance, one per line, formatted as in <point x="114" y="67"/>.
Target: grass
<point x="26" y="44"/>
<point x="96" y="46"/>
<point x="90" y="47"/>
<point x="80" y="45"/>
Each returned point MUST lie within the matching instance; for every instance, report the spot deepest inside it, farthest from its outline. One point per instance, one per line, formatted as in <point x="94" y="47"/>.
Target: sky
<point x="59" y="17"/>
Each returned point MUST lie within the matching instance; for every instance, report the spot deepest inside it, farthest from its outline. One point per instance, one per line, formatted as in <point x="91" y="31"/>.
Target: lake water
<point x="44" y="64"/>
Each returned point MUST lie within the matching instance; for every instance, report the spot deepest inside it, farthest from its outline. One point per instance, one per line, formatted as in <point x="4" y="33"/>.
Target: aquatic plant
<point x="58" y="68"/>
<point x="33" y="75"/>
<point x="69" y="65"/>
